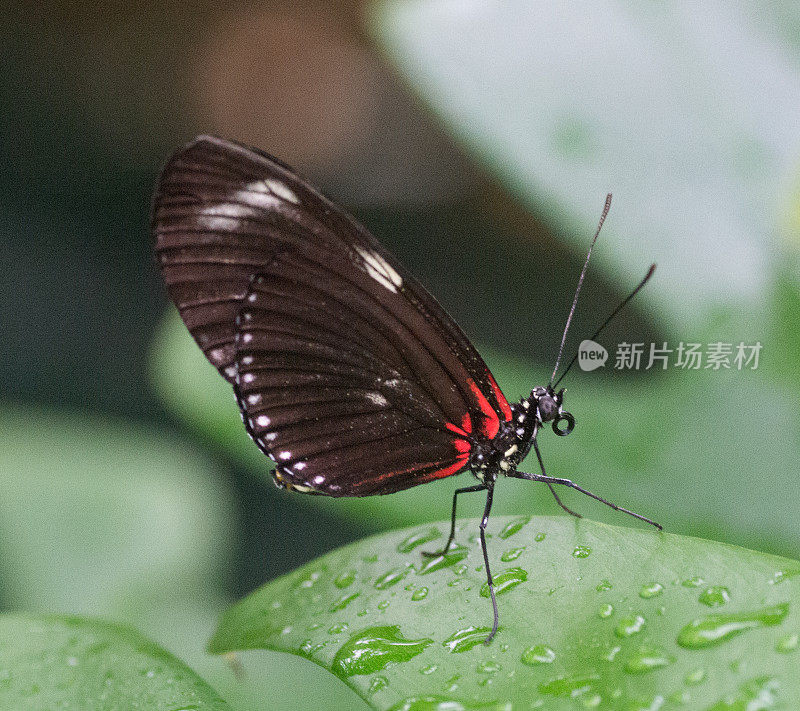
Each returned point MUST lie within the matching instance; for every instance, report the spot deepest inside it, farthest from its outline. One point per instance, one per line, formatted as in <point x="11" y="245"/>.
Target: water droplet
<point x="309" y="578"/>
<point x="512" y="554"/>
<point x="488" y="667"/>
<point x="505" y="581"/>
<point x="781" y="575"/>
<point x="568" y="685"/>
<point x="695" y="677"/>
<point x="715" y="596"/>
<point x="453" y="556"/>
<point x="630" y="625"/>
<point x="606" y="611"/>
<point x="308" y="647"/>
<point x="514" y="526"/>
<point x="539" y="537"/>
<point x="383" y="604"/>
<point x="651" y="590"/>
<point x="787" y="643"/>
<point x="715" y="629"/>
<point x="694" y="582"/>
<point x="373" y="558"/>
<point x="417" y="539"/>
<point x="441" y="703"/>
<point x="611" y="653"/>
<point x="466" y="639"/>
<point x="538" y="654"/>
<point x="428" y="669"/>
<point x="603" y="585"/>
<point x="378" y="683"/>
<point x="370" y="650"/>
<point x="345" y="579"/>
<point x="680" y="697"/>
<point x="581" y="552"/>
<point x="419" y="594"/>
<point x="391" y="577"/>
<point x="756" y="695"/>
<point x="647" y="659"/>
<point x="343" y="602"/>
<point x="338" y="629"/>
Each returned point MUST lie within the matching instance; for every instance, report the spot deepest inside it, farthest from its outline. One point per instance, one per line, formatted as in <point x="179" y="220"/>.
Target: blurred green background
<point x="477" y="141"/>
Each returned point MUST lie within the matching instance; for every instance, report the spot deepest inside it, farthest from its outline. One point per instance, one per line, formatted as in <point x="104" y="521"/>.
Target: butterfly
<point x="349" y="375"/>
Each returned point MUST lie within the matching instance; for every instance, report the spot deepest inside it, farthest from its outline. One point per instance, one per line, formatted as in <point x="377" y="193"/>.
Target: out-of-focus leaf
<point x="69" y="662"/>
<point x="565" y="102"/>
<point x="704" y="452"/>
<point x="98" y="515"/>
<point x="598" y="617"/>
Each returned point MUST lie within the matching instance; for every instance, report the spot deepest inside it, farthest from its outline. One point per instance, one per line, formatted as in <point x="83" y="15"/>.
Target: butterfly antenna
<point x="606" y="208"/>
<point x="610" y="318"/>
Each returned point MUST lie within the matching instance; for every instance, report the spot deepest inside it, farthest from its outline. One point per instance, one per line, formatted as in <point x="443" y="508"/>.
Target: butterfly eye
<point x="570" y="424"/>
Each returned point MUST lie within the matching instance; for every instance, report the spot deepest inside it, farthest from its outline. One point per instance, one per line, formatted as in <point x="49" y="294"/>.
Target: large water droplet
<point x="629" y="625"/>
<point x="651" y="590"/>
<point x="512" y="554"/>
<point x="539" y="537"/>
<point x="344" y="579"/>
<point x="466" y="639"/>
<point x="647" y="659"/>
<point x="581" y="552"/>
<point x="756" y="695"/>
<point x="343" y="602"/>
<point x="715" y="596"/>
<point x="505" y="581"/>
<point x="715" y="629"/>
<point x="370" y="650"/>
<point x="417" y="539"/>
<point x="453" y="556"/>
<point x="568" y="685"/>
<point x="538" y="654"/>
<point x="391" y="577"/>
<point x="419" y="594"/>
<point x="787" y="644"/>
<point x="514" y="526"/>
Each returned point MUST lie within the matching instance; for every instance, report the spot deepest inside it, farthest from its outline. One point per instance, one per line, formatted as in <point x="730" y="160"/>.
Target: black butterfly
<point x="350" y="376"/>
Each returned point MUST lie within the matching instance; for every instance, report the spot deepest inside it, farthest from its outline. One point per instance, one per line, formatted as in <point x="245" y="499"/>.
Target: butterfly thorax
<point x="513" y="441"/>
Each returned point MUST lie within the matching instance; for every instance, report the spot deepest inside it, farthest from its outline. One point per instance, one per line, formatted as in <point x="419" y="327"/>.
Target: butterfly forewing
<point x="348" y="372"/>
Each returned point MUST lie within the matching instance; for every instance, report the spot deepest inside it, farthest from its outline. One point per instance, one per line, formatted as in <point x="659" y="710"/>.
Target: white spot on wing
<point x="285" y="455"/>
<point x="377" y="399"/>
<point x="282" y="190"/>
<point x="262" y="421"/>
<point x="380" y="270"/>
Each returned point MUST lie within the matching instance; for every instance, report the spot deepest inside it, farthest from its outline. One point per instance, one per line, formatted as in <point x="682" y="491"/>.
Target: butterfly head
<point x="549" y="408"/>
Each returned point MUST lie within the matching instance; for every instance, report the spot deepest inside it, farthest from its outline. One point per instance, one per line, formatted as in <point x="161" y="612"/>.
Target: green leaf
<point x="562" y="115"/>
<point x="702" y="452"/>
<point x="69" y="662"/>
<point x="604" y="617"/>
<point x="104" y="517"/>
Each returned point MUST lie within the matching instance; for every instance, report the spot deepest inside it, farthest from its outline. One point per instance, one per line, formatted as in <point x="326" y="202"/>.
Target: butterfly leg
<point x="573" y="485"/>
<point x="464" y="490"/>
<point x="484" y="523"/>
<point x="552" y="489"/>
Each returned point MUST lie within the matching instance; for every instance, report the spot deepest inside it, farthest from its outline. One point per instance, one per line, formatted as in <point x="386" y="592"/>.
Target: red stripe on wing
<point x="491" y="423"/>
<point x="501" y="399"/>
